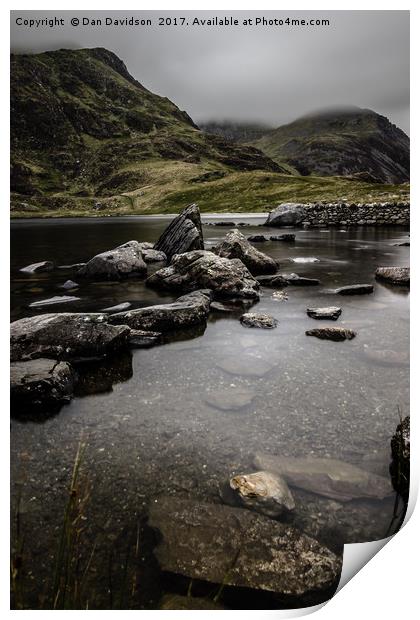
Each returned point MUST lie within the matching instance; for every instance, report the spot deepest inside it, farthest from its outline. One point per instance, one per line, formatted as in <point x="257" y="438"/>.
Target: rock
<point x="203" y="269"/>
<point x="293" y="278"/>
<point x="125" y="261"/>
<point x="41" y="384"/>
<point x="230" y="306"/>
<point x="191" y="309"/>
<point x="328" y="477"/>
<point x="69" y="285"/>
<point x="332" y="333"/>
<point x="275" y="280"/>
<point x="257" y="238"/>
<point x="140" y="339"/>
<point x="355" y="289"/>
<point x="400" y="464"/>
<point x="65" y="336"/>
<point x="288" y="214"/>
<point x="263" y="492"/>
<point x="394" y="275"/>
<point x="176" y="601"/>
<point x="45" y="265"/>
<point x="245" y="365"/>
<point x="305" y="259"/>
<point x="230" y="224"/>
<point x="254" y="319"/>
<point x="286" y="237"/>
<point x="72" y="266"/>
<point x="153" y="256"/>
<point x="99" y="376"/>
<point x="183" y="234"/>
<point x="59" y="299"/>
<point x="332" y="313"/>
<point x="280" y="296"/>
<point x="145" y="245"/>
<point x="386" y="357"/>
<point x="403" y="244"/>
<point x="236" y="547"/>
<point x="235" y="245"/>
<point x="118" y="308"/>
<point x="229" y="399"/>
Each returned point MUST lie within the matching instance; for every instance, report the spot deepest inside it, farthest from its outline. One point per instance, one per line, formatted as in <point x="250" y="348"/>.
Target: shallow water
<point x="157" y="432"/>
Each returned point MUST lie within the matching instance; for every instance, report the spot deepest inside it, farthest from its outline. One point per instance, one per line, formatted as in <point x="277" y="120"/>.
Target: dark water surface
<point x="156" y="432"/>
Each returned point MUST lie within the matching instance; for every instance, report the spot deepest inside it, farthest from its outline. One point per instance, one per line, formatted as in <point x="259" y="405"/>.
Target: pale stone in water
<point x="264" y="492"/>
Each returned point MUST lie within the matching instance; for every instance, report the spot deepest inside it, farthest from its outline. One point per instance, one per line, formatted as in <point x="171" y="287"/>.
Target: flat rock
<point x="394" y="275"/>
<point x="204" y="269"/>
<point x="237" y="547"/>
<point x="65" y="336"/>
<point x="287" y="214"/>
<point x="274" y="281"/>
<point x="328" y="477"/>
<point x="58" y="299"/>
<point x="295" y="280"/>
<point x="41" y="384"/>
<point x="235" y="245"/>
<point x="264" y="492"/>
<point x="355" y="289"/>
<point x="69" y="285"/>
<point x="229" y="399"/>
<point x="183" y="234"/>
<point x="44" y="265"/>
<point x="245" y="365"/>
<point x="332" y="333"/>
<point x="125" y="261"/>
<point x="118" y="308"/>
<point x="140" y="339"/>
<point x="188" y="310"/>
<point x="305" y="259"/>
<point x="257" y="238"/>
<point x="254" y="319"/>
<point x="331" y="312"/>
<point x="285" y="237"/>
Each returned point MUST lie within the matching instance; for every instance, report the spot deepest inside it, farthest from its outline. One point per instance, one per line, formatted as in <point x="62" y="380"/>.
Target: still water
<point x="157" y="430"/>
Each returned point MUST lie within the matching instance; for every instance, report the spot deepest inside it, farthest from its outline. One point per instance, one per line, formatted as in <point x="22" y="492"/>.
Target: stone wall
<point x="346" y="214"/>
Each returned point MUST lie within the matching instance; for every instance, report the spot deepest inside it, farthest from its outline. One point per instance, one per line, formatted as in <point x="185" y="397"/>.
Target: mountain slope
<point x="83" y="126"/>
<point x="342" y="142"/>
<point x="236" y="131"/>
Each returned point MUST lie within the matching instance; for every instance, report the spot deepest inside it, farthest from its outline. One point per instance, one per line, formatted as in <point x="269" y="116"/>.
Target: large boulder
<point x="65" y="336"/>
<point x="237" y="547"/>
<point x="125" y="261"/>
<point x="235" y="245"/>
<point x="288" y="214"/>
<point x="183" y="234"/>
<point x="203" y="269"/>
<point x="191" y="309"/>
<point x="41" y="384"/>
<point x="394" y="275"/>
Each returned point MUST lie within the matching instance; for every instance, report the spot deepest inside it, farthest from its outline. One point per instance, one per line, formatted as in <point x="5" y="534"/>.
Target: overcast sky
<point x="269" y="74"/>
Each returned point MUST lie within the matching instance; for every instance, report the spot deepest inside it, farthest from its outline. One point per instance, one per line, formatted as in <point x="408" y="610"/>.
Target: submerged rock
<point x="235" y="245"/>
<point x="332" y="333"/>
<point x="191" y="309"/>
<point x="386" y="357"/>
<point x="65" y="336"/>
<point x="229" y="399"/>
<point x="295" y="280"/>
<point x="331" y="312"/>
<point x="40" y="385"/>
<point x="125" y="261"/>
<point x="236" y="547"/>
<point x="400" y="464"/>
<point x="287" y="214"/>
<point x="183" y="234"/>
<point x="263" y="492"/>
<point x="203" y="269"/>
<point x="274" y="281"/>
<point x="394" y="275"/>
<point x="58" y="299"/>
<point x="69" y="285"/>
<point x="254" y="319"/>
<point x="285" y="237"/>
<point x="328" y="477"/>
<point x="45" y="265"/>
<point x="355" y="289"/>
<point x="245" y="365"/>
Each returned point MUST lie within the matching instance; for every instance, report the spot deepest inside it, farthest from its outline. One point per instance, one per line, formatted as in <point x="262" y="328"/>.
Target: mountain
<point x="342" y="142"/>
<point x="236" y="131"/>
<point x="82" y="126"/>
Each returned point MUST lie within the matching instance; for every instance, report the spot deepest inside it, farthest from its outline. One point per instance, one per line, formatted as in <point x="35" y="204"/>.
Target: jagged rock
<point x="140" y="339"/>
<point x="230" y="399"/>
<point x="183" y="234"/>
<point x="332" y="313"/>
<point x="237" y="547"/>
<point x="257" y="238"/>
<point x="145" y="245"/>
<point x="286" y="237"/>
<point x="118" y="308"/>
<point x="328" y="477"/>
<point x="394" y="275"/>
<point x="191" y="309"/>
<point x="235" y="245"/>
<point x="254" y="319"/>
<point x="69" y="285"/>
<point x="58" y="299"/>
<point x="293" y="278"/>
<point x="400" y="464"/>
<point x="44" y="265"/>
<point x="355" y="289"/>
<point x="124" y="261"/>
<point x="65" y="336"/>
<point x="203" y="269"/>
<point x="154" y="256"/>
<point x="41" y="384"/>
<point x="288" y="214"/>
<point x="274" y="281"/>
<point x="332" y="333"/>
<point x="263" y="492"/>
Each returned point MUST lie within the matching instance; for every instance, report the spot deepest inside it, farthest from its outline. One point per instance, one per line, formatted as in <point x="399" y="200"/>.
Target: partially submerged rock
<point x="125" y="261"/>
<point x="183" y="234"/>
<point x="331" y="312"/>
<point x="236" y="547"/>
<point x="295" y="280"/>
<point x="275" y="281"/>
<point x="394" y="275"/>
<point x="191" y="309"/>
<point x="58" y="299"/>
<point x="118" y="308"/>
<point x="257" y="238"/>
<point x="140" y="339"/>
<point x="203" y="269"/>
<point x="305" y="259"/>
<point x="69" y="285"/>
<point x="355" y="289"/>
<point x="400" y="464"/>
<point x="285" y="237"/>
<point x="328" y="477"/>
<point x="263" y="492"/>
<point x="229" y="399"/>
<point x="235" y="245"/>
<point x="41" y="384"/>
<point x="287" y="214"/>
<point x="254" y="319"/>
<point x="65" y="336"/>
<point x="45" y="265"/>
<point x="332" y="333"/>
